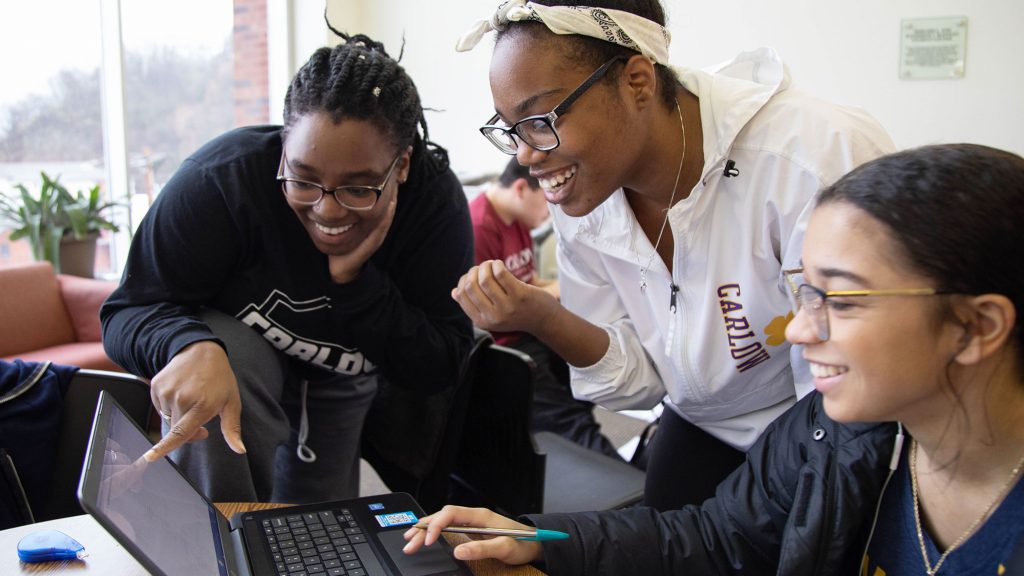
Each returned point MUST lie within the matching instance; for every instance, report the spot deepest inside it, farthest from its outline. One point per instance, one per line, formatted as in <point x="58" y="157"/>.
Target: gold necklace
<point x="932" y="570"/>
<point x="679" y="171"/>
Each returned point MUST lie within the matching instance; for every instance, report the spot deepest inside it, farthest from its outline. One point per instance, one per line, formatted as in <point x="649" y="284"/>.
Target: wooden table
<point x="107" y="557"/>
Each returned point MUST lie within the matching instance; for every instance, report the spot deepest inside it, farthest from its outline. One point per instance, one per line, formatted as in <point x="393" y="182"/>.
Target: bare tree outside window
<point x="172" y="106"/>
<point x="178" y="86"/>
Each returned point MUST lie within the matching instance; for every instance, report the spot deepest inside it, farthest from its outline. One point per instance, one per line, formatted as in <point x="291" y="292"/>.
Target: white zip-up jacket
<point x="719" y="357"/>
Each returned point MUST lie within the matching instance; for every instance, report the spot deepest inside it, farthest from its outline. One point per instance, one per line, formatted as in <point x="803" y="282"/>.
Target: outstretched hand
<point x="196" y="385"/>
<point x="503" y="548"/>
<point x="494" y="299"/>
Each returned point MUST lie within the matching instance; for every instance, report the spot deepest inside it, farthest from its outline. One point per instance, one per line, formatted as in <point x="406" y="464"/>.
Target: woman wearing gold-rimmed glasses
<point x="907" y="459"/>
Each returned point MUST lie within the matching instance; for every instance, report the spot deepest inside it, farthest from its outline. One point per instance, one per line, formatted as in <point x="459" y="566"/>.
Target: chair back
<point x="498" y="464"/>
<point x="503" y="465"/>
<point x="32" y="309"/>
<point x="444" y="411"/>
<point x="579" y="479"/>
<point x="77" y="413"/>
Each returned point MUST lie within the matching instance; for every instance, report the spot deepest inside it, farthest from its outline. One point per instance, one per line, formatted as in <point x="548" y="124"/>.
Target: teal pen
<point x="533" y="535"/>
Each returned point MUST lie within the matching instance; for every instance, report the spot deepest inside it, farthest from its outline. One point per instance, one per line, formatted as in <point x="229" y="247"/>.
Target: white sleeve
<point x="624" y="378"/>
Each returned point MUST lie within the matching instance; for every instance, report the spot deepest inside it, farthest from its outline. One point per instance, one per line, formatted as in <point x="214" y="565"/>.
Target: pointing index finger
<point x="180" y="432"/>
<point x="231" y="424"/>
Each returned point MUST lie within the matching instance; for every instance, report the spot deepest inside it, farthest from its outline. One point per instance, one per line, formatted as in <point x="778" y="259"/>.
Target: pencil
<point x="534" y="535"/>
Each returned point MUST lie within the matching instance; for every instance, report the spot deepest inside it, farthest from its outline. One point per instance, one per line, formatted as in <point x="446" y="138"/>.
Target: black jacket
<point x="802" y="504"/>
<point x="31" y="397"/>
<point x="221" y="235"/>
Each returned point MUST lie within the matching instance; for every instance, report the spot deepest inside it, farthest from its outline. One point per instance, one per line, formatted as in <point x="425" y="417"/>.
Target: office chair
<point x="422" y="469"/>
<point x="77" y="412"/>
<point x="504" y="466"/>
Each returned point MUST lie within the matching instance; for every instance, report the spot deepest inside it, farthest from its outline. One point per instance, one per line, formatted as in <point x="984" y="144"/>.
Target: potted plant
<point x="54" y="221"/>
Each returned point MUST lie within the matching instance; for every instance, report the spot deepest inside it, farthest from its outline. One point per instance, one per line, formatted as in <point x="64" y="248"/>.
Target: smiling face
<point x="887" y="357"/>
<point x="530" y="75"/>
<point x="351" y="152"/>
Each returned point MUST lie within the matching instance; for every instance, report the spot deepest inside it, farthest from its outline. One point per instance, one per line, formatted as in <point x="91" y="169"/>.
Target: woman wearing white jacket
<point x="682" y="195"/>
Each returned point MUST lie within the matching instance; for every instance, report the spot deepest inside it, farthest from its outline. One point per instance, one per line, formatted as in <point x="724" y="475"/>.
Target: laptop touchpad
<point x="428" y="560"/>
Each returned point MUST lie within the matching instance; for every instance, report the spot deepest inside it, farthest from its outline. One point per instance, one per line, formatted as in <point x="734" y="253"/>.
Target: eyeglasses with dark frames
<point x="351" y="197"/>
<point x="812" y="299"/>
<point x="539" y="132"/>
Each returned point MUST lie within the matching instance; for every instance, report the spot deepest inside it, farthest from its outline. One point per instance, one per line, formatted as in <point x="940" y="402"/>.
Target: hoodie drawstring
<point x="305" y="453"/>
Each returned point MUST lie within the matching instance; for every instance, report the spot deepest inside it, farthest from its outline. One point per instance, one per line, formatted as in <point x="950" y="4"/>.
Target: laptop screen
<point x="150" y="504"/>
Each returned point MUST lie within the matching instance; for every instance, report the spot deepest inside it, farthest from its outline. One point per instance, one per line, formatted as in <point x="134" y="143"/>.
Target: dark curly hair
<point x="358" y="79"/>
<point x="956" y="210"/>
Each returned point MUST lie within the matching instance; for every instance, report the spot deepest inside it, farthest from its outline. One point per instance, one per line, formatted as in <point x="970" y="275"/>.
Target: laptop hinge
<point x="233" y="547"/>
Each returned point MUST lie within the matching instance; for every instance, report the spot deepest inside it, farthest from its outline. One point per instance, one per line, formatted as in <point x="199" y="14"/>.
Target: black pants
<point x="686" y="464"/>
<point x="554" y="407"/>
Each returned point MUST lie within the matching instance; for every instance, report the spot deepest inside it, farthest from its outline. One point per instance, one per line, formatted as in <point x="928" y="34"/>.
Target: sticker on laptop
<point x="396" y="519"/>
<point x="376" y="506"/>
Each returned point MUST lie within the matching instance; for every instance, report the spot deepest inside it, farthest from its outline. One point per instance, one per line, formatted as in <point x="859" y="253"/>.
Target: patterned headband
<point x="616" y="26"/>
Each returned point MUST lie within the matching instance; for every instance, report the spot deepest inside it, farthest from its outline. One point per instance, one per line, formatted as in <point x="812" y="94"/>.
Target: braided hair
<point x="357" y="79"/>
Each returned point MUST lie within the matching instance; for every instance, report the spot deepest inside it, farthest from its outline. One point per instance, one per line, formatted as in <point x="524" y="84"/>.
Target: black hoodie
<point x="221" y="235"/>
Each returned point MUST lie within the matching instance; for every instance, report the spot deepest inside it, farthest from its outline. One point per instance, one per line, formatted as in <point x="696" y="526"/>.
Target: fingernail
<point x="150" y="456"/>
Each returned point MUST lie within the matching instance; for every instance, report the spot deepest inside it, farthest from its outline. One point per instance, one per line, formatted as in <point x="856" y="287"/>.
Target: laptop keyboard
<point x="329" y="542"/>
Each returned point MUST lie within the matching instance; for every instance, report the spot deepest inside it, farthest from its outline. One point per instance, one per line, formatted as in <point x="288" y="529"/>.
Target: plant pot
<point x="78" y="257"/>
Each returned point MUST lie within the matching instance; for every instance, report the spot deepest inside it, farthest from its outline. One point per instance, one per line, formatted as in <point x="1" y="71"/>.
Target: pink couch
<point x="46" y="316"/>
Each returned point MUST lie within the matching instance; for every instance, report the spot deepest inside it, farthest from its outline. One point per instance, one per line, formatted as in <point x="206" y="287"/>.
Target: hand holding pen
<point x="535" y="535"/>
<point x="510" y="550"/>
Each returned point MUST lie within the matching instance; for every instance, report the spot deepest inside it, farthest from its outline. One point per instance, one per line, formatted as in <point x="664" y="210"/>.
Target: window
<point x="181" y="84"/>
<point x="50" y="111"/>
<point x="177" y="59"/>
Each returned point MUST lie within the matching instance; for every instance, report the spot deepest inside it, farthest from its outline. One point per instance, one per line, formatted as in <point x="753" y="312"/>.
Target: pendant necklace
<point x="932" y="570"/>
<point x="657" y="242"/>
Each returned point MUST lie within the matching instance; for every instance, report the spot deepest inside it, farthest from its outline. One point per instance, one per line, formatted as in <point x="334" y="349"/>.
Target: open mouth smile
<point x="552" y="182"/>
<point x="332" y="230"/>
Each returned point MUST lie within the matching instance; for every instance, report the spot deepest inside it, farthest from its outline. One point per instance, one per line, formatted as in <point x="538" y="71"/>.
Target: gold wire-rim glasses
<point x="819" y="312"/>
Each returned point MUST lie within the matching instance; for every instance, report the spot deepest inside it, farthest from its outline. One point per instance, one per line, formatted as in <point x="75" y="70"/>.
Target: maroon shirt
<point x="510" y="243"/>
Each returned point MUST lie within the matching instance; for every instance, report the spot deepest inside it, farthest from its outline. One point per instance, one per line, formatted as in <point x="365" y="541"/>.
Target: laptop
<point x="160" y="518"/>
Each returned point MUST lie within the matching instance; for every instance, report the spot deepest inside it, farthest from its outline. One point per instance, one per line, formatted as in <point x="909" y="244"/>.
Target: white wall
<point x="453" y="84"/>
<point x="846" y="51"/>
